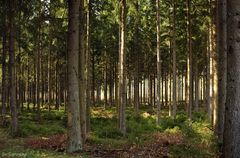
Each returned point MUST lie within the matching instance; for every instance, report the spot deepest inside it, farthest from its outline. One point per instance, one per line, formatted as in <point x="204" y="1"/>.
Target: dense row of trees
<point x="160" y="54"/>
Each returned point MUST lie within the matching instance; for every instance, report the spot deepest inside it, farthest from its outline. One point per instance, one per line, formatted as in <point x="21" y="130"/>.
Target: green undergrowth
<point x="198" y="138"/>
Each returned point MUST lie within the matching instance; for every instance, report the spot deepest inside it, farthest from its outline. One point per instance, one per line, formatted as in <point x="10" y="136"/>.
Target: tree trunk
<point x="105" y="84"/>
<point x="222" y="64"/>
<point x="82" y="73"/>
<point x="136" y="63"/>
<point x="231" y="138"/>
<point x="38" y="59"/>
<point x="122" y="70"/>
<point x="12" y="72"/>
<point x="174" y="106"/>
<point x="74" y="130"/>
<point x="166" y="89"/>
<point x="158" y="62"/>
<point x="4" y="65"/>
<point x="89" y="100"/>
<point x="208" y="79"/>
<point x="190" y="59"/>
<point x="196" y="88"/>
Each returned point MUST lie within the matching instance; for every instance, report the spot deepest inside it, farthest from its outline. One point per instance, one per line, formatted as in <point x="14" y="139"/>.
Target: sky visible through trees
<point x="120" y="78"/>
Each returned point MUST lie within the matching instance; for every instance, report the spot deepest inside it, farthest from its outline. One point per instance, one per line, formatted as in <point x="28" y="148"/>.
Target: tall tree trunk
<point x="158" y="62"/>
<point x="49" y="80"/>
<point x="231" y="138"/>
<point x="136" y="62"/>
<point x="105" y="83"/>
<point x="208" y="102"/>
<point x="12" y="70"/>
<point x="190" y="60"/>
<point x="222" y="64"/>
<point x="4" y="65"/>
<point x="122" y="70"/>
<point x="89" y="100"/>
<point x="82" y="73"/>
<point x="93" y="81"/>
<point x="74" y="130"/>
<point x="166" y="89"/>
<point x="174" y="64"/>
<point x="196" y="88"/>
<point x="38" y="59"/>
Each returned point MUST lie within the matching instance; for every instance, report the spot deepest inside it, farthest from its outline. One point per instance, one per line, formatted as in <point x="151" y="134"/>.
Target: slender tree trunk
<point x="136" y="63"/>
<point x="158" y="62"/>
<point x="49" y="81"/>
<point x="38" y="59"/>
<point x="93" y="81"/>
<point x="231" y="140"/>
<point x="116" y="83"/>
<point x="166" y="89"/>
<point x="89" y="100"/>
<point x="74" y="130"/>
<point x="196" y="88"/>
<point x="190" y="56"/>
<point x="12" y="70"/>
<point x="4" y="65"/>
<point x="174" y="65"/>
<point x="122" y="70"/>
<point x="208" y="97"/>
<point x="222" y="64"/>
<point x="105" y="84"/>
<point x="82" y="74"/>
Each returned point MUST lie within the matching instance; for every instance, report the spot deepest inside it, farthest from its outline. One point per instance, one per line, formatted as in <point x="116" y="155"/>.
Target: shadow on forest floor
<point x="172" y="138"/>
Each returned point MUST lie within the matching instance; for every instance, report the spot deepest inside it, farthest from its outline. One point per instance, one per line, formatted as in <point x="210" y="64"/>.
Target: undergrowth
<point x="199" y="140"/>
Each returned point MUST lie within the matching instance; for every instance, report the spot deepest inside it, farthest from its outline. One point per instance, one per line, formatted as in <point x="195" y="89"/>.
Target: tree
<point x="136" y="62"/>
<point x="190" y="61"/>
<point x="90" y="100"/>
<point x="82" y="72"/>
<point x="158" y="62"/>
<point x="222" y="64"/>
<point x="74" y="133"/>
<point x="4" y="66"/>
<point x="231" y="140"/>
<point x="122" y="95"/>
<point x="174" y="63"/>
<point x="12" y="72"/>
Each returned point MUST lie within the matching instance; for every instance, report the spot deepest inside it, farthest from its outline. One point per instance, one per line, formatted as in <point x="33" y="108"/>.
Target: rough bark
<point x="82" y="72"/>
<point x="222" y="64"/>
<point x="12" y="70"/>
<point x="231" y="140"/>
<point x="74" y="130"/>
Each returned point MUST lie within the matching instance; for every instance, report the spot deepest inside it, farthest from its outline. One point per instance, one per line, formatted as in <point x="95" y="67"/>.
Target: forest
<point x="119" y="78"/>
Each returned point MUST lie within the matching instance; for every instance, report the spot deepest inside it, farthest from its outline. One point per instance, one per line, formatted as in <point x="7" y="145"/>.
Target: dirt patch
<point x="55" y="142"/>
<point x="159" y="147"/>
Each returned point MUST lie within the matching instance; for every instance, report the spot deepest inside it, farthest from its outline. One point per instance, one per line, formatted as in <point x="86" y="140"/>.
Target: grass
<point x="199" y="140"/>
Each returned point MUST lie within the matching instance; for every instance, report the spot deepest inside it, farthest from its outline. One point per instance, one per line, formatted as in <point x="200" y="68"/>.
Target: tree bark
<point x="231" y="138"/>
<point x="74" y="130"/>
<point x="190" y="60"/>
<point x="89" y="102"/>
<point x="174" y="64"/>
<point x="158" y="63"/>
<point x="82" y="73"/>
<point x="12" y="70"/>
<point x="222" y="64"/>
<point x="4" y="65"/>
<point x="122" y="70"/>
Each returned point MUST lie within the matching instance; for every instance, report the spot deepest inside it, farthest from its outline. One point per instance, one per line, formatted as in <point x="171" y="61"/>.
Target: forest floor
<point x="172" y="138"/>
